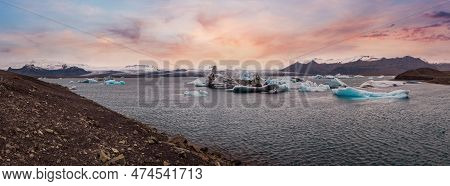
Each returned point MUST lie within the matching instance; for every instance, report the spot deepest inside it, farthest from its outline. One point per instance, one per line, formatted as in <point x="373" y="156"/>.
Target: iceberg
<point x="318" y="77"/>
<point x="200" y="82"/>
<point x="248" y="89"/>
<point x="246" y="76"/>
<point x="339" y="76"/>
<point x="335" y="83"/>
<point x="353" y="93"/>
<point x="272" y="88"/>
<point x="73" y="88"/>
<point x="280" y="81"/>
<point x="114" y="82"/>
<point x="88" y="81"/>
<point x="380" y="77"/>
<point x="380" y="84"/>
<point x="329" y="77"/>
<point x="358" y="76"/>
<point x="280" y="88"/>
<point x="310" y="86"/>
<point x="296" y="79"/>
<point x="278" y="85"/>
<point x="196" y="93"/>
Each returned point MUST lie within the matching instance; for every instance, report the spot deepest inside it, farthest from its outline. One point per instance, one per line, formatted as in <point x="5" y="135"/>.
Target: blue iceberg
<point x="353" y="93"/>
<point x="114" y="82"/>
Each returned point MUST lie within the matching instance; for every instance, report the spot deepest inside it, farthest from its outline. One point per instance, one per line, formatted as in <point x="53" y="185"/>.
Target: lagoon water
<point x="291" y="128"/>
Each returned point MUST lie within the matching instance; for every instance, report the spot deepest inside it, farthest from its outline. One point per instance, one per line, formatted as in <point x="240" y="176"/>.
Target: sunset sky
<point x="119" y="33"/>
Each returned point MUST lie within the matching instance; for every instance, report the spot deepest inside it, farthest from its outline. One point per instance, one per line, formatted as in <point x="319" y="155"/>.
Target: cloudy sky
<point x="118" y="33"/>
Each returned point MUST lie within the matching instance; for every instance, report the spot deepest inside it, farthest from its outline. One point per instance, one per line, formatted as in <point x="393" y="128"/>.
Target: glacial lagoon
<point x="291" y="128"/>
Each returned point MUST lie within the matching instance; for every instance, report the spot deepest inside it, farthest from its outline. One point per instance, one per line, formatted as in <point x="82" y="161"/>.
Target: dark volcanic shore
<point x="426" y="74"/>
<point x="46" y="124"/>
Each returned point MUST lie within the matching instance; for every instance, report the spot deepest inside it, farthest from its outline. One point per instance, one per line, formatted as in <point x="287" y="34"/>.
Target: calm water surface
<point x="291" y="128"/>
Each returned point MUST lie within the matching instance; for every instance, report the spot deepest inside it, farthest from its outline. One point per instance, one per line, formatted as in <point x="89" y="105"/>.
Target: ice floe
<point x="246" y="76"/>
<point x="353" y="93"/>
<point x="381" y="84"/>
<point x="200" y="82"/>
<point x="339" y="76"/>
<point x="114" y="82"/>
<point x="88" y="81"/>
<point x="272" y="88"/>
<point x="318" y="77"/>
<point x="310" y="86"/>
<point x="278" y="81"/>
<point x="335" y="83"/>
<point x="280" y="88"/>
<point x="296" y="79"/>
<point x="196" y="93"/>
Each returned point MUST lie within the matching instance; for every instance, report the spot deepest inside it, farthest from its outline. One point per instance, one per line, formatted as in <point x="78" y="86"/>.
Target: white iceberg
<point x="196" y="93"/>
<point x="329" y="77"/>
<point x="272" y="89"/>
<point x="353" y="93"/>
<point x="339" y="76"/>
<point x="359" y="76"/>
<point x="310" y="86"/>
<point x="280" y="88"/>
<point x="114" y="82"/>
<point x="381" y="84"/>
<point x="88" y="81"/>
<point x="335" y="83"/>
<point x="282" y="84"/>
<point x="71" y="82"/>
<point x="278" y="81"/>
<point x="380" y="77"/>
<point x="73" y="88"/>
<point x="246" y="76"/>
<point x="200" y="82"/>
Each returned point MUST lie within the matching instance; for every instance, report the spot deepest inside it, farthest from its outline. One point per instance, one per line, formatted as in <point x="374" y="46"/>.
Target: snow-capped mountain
<point x="138" y="69"/>
<point x="341" y="60"/>
<point x="36" y="71"/>
<point x="364" y="65"/>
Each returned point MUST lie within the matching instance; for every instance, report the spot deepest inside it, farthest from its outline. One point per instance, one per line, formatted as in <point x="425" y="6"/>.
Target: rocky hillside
<point x="46" y="124"/>
<point x="383" y="66"/>
<point x="426" y="74"/>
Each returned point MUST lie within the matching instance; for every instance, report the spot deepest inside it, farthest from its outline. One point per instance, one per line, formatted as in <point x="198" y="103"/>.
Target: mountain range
<point x="364" y="66"/>
<point x="64" y="71"/>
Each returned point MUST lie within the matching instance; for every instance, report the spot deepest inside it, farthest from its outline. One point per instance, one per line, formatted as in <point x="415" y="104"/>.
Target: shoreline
<point x="47" y="124"/>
